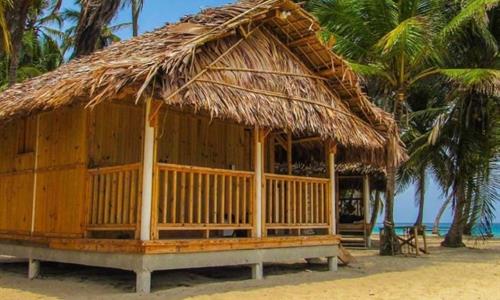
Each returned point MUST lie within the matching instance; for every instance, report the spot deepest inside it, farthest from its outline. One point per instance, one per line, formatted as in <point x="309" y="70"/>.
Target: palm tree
<point x="17" y="21"/>
<point x="105" y="38"/>
<point x="5" y="5"/>
<point x="94" y="16"/>
<point x="426" y="101"/>
<point x="136" y="8"/>
<point x="397" y="44"/>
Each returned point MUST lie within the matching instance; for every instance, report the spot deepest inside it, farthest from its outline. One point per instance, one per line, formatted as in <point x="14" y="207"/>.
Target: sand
<point x="468" y="273"/>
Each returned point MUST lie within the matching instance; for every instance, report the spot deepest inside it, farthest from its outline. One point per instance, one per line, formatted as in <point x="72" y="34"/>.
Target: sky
<point x="158" y="12"/>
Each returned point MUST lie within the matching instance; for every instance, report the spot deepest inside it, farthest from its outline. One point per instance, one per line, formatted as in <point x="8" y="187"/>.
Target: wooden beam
<point x="332" y="150"/>
<point x="259" y="184"/>
<point x="307" y="140"/>
<point x="366" y="206"/>
<point x="147" y="174"/>
<point x="35" y="175"/>
<point x="281" y="141"/>
<point x="301" y="41"/>
<point x="289" y="153"/>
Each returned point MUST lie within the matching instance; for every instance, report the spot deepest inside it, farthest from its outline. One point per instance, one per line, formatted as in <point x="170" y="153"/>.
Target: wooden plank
<point x="119" y="206"/>
<point x="165" y="196"/>
<point x="191" y="197"/>
<point x="230" y="200"/>
<point x="207" y="198"/>
<point x="183" y="198"/>
<point x="237" y="200"/>
<point x="222" y="199"/>
<point x="174" y="197"/>
<point x="216" y="187"/>
<point x="245" y="200"/>
<point x="134" y="190"/>
<point x="198" y="199"/>
<point x="113" y="204"/>
<point x="95" y="199"/>
<point x="126" y="196"/>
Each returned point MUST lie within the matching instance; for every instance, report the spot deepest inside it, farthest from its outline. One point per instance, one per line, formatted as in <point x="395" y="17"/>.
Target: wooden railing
<point x="292" y="202"/>
<point x="195" y="198"/>
<point x="113" y="196"/>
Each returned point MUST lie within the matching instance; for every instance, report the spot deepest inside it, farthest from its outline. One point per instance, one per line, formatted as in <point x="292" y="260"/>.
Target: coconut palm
<point x="105" y="38"/>
<point x="426" y="102"/>
<point x="4" y="28"/>
<point x="136" y="8"/>
<point x="398" y="44"/>
<point x="21" y="17"/>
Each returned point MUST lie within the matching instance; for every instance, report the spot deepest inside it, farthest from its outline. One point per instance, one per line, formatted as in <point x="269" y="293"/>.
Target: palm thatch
<point x="255" y="62"/>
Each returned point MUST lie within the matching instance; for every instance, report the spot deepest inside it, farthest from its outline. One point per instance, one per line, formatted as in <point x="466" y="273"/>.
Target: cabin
<point x="358" y="187"/>
<point x="167" y="150"/>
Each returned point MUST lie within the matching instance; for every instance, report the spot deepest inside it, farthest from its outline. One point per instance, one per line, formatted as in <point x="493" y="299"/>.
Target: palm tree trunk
<point x="18" y="20"/>
<point x="95" y="15"/>
<point x="135" y="17"/>
<point x="388" y="243"/>
<point x="375" y="210"/>
<point x="454" y="237"/>
<point x="435" y="228"/>
<point x="421" y="199"/>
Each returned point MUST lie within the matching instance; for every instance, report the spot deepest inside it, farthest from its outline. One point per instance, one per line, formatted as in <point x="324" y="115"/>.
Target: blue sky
<point x="158" y="12"/>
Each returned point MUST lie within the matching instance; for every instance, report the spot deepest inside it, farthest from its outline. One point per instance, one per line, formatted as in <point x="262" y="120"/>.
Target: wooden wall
<point x="62" y="159"/>
<point x="116" y="134"/>
<point x="198" y="141"/>
<point x="16" y="175"/>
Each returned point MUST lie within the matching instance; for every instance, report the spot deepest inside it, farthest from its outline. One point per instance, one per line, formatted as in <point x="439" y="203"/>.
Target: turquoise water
<point x="443" y="228"/>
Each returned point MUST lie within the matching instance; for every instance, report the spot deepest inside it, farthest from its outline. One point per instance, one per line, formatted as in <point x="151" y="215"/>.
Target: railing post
<point x="332" y="150"/>
<point x="147" y="174"/>
<point x="366" y="207"/>
<point x="259" y="168"/>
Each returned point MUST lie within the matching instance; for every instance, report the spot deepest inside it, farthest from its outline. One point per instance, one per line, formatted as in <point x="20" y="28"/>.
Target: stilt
<point x="143" y="282"/>
<point x="332" y="264"/>
<point x="33" y="268"/>
<point x="258" y="271"/>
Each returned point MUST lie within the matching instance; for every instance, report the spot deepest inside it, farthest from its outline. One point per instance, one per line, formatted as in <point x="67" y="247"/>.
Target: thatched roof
<point x="256" y="62"/>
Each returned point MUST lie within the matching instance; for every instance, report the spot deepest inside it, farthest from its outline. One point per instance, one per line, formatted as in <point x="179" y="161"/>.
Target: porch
<point x="166" y="196"/>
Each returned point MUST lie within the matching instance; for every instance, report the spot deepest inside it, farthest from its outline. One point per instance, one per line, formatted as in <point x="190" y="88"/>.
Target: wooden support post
<point x="366" y="207"/>
<point x="35" y="175"/>
<point x="332" y="150"/>
<point x="259" y="184"/>
<point x="147" y="174"/>
<point x="289" y="153"/>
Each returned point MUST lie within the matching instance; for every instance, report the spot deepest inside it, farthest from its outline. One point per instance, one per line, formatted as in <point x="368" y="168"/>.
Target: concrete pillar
<point x="332" y="263"/>
<point x="143" y="282"/>
<point x="33" y="268"/>
<point x="258" y="271"/>
<point x="147" y="175"/>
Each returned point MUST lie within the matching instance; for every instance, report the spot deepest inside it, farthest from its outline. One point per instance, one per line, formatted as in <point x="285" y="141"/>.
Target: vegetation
<point x="450" y="129"/>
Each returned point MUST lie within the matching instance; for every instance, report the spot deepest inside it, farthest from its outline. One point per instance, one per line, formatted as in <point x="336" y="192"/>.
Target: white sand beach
<point x="468" y="273"/>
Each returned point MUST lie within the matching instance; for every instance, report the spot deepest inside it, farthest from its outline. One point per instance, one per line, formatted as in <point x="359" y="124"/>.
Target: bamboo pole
<point x="147" y="175"/>
<point x="366" y="206"/>
<point x="332" y="150"/>
<point x="35" y="175"/>
<point x="258" y="146"/>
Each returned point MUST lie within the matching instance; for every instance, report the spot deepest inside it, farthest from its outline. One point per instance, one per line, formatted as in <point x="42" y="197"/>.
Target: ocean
<point x="443" y="228"/>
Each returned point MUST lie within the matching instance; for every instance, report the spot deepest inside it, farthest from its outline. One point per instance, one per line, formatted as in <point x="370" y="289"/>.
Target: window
<point x="26" y="135"/>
